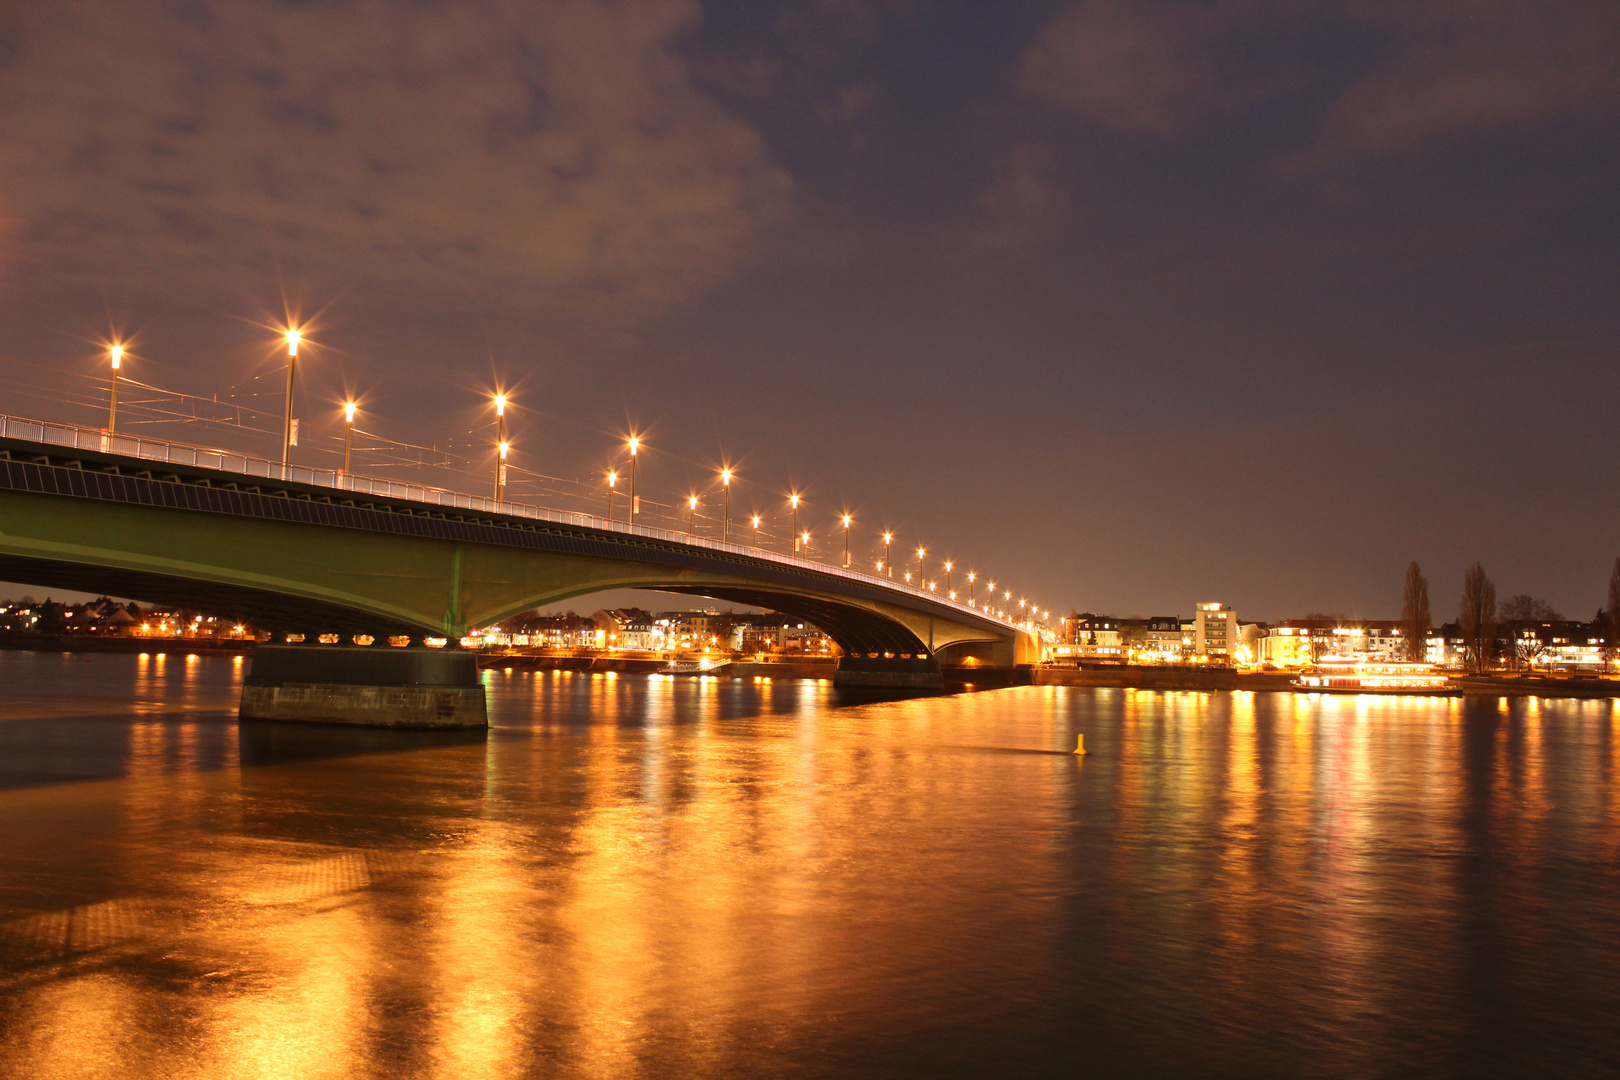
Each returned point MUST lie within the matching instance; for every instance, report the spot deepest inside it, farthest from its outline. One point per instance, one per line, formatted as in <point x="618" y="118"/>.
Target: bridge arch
<point x="295" y="558"/>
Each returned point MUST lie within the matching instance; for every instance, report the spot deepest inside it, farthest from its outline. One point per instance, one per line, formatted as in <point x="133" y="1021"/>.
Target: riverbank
<point x="807" y="668"/>
<point x="77" y="643"/>
<point x="1200" y="678"/>
<point x="1141" y="677"/>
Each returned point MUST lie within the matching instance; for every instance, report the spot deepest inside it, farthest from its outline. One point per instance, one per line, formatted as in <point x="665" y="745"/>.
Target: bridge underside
<point x="263" y="608"/>
<point x="856" y="631"/>
<point x="293" y="561"/>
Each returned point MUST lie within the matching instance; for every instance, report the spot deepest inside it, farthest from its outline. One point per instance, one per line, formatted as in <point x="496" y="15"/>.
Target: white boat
<point x="1363" y="677"/>
<point x="694" y="667"/>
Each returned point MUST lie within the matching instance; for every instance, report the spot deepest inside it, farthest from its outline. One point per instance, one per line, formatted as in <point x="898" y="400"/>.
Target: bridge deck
<point x="479" y="519"/>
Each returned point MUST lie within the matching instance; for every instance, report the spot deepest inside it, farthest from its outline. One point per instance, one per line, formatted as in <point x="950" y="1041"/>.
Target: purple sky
<point x="1128" y="304"/>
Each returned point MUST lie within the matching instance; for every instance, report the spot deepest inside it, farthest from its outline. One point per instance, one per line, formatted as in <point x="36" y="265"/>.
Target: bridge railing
<point x="226" y="461"/>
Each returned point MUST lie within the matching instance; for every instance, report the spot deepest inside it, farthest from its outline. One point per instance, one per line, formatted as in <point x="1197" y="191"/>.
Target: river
<point x="635" y="876"/>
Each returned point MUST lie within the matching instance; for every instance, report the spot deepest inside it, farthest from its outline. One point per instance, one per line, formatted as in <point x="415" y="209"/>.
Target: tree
<point x="1528" y="647"/>
<point x="1614" y="608"/>
<point x="1525" y="608"/>
<point x="1415" y="613"/>
<point x="1476" y="617"/>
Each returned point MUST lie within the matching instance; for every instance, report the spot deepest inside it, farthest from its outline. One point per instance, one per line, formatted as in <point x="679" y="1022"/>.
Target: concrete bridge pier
<point x="889" y="673"/>
<point x="374" y="685"/>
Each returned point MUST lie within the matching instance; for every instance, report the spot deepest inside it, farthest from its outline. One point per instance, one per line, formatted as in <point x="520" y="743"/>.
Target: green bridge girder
<point x="313" y="578"/>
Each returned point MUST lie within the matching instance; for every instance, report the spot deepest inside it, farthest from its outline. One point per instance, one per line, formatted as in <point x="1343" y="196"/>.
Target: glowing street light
<point x="691" y="504"/>
<point x="920" y="553"/>
<point x="635" y="500"/>
<point x="289" y="436"/>
<point x="846" y="541"/>
<point x="116" y="355"/>
<point x="613" y="482"/>
<point x="725" y="519"/>
<point x="793" y="501"/>
<point x="948" y="578"/>
<point x="348" y="433"/>
<point x="501" y="444"/>
<point x="806" y="538"/>
<point x="888" y="538"/>
<point x="756" y="530"/>
<point x="971" y="578"/>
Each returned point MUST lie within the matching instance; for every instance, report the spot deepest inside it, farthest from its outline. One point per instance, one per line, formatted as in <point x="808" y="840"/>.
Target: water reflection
<point x="658" y="876"/>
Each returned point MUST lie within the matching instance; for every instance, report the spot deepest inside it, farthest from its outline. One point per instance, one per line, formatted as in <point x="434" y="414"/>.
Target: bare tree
<point x="1528" y="647"/>
<point x="1523" y="607"/>
<point x="1614" y="609"/>
<point x="1415" y="613"/>
<point x="1476" y="617"/>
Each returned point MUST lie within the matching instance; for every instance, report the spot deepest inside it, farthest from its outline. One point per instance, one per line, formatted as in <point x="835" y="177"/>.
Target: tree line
<point x="1478" y="616"/>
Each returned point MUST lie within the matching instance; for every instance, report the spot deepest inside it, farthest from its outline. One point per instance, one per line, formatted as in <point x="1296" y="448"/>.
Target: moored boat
<point x="1363" y="677"/>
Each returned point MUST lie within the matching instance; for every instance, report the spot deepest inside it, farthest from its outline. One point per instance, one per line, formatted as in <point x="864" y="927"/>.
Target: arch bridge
<point x="300" y="550"/>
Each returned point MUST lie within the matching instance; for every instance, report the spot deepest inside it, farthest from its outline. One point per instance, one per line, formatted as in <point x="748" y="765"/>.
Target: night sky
<point x="1128" y="304"/>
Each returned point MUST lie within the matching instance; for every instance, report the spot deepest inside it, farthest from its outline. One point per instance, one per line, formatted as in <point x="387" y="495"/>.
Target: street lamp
<point x="613" y="482"/>
<point x="806" y="538"/>
<point x="289" y="435"/>
<point x="725" y="519"/>
<point x="756" y="530"/>
<point x="348" y="433"/>
<point x="888" y="538"/>
<point x="793" y="501"/>
<point x="948" y="578"/>
<point x="635" y="500"/>
<point x="846" y="541"/>
<point x="691" y="504"/>
<point x="500" y="441"/>
<point x="971" y="578"/>
<point x="116" y="354"/>
<point x="920" y="553"/>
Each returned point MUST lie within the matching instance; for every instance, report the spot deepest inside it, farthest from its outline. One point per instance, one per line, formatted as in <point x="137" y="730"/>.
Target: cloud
<point x="1435" y="67"/>
<point x="1456" y="68"/>
<point x="1021" y="206"/>
<point x="1147" y="67"/>
<point x="552" y="153"/>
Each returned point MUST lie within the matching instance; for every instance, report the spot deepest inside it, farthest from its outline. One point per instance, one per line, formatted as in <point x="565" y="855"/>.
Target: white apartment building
<point x="1215" y="631"/>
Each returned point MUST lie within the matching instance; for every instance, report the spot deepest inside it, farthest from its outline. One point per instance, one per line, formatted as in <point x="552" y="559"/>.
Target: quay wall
<point x="1198" y="678"/>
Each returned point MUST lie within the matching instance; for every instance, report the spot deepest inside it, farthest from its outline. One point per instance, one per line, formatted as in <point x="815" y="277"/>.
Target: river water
<point x="633" y="876"/>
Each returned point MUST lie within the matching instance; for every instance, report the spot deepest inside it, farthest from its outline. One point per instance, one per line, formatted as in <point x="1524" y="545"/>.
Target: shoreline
<point x="74" y="643"/>
<point x="1190" y="678"/>
<point x="1122" y="677"/>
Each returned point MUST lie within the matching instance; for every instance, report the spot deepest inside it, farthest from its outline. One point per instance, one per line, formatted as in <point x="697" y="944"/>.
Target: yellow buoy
<point x="1080" y="746"/>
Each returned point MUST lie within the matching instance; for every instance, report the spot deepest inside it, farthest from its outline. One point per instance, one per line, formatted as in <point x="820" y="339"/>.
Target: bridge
<point x="300" y="550"/>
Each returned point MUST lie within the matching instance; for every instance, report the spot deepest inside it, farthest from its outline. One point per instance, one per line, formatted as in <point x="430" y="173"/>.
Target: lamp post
<point x="635" y="500"/>
<point x="756" y="530"/>
<point x="116" y="354"/>
<point x="806" y="538"/>
<point x="793" y="501"/>
<point x="920" y="553"/>
<point x="888" y="538"/>
<point x="846" y="541"/>
<point x="691" y="504"/>
<point x="948" y="577"/>
<point x="725" y="517"/>
<point x="293" y="338"/>
<point x="500" y="441"/>
<point x="348" y="433"/>
<point x="613" y="482"/>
